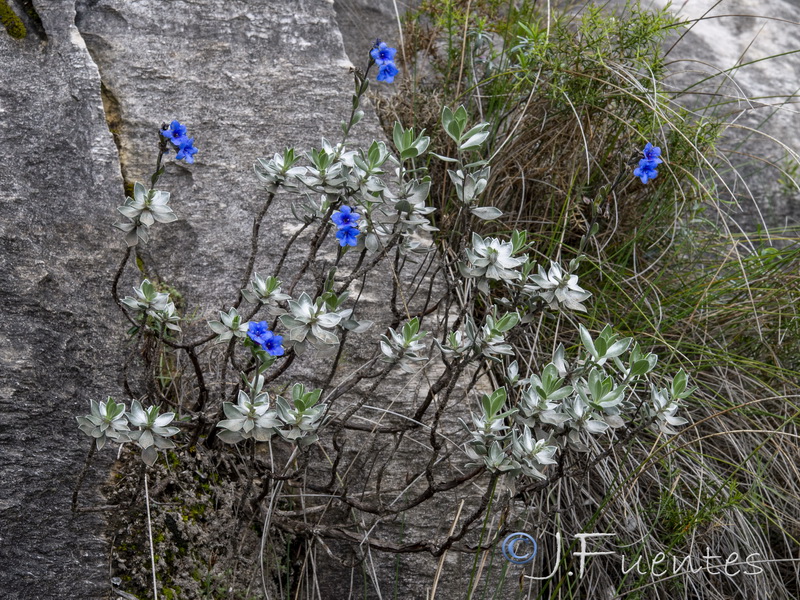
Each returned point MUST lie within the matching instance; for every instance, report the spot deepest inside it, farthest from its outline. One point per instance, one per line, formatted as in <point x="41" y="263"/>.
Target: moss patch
<point x="13" y="24"/>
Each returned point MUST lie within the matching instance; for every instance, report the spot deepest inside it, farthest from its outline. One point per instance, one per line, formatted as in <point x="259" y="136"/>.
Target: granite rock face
<point x="247" y="78"/>
<point x="361" y="21"/>
<point x="60" y="335"/>
<point x="733" y="50"/>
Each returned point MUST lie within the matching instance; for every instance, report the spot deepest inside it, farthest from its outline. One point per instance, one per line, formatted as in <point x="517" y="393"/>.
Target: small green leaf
<point x="474" y="140"/>
<point x="498" y="399"/>
<point x="640" y="367"/>
<point x="586" y="338"/>
<point x="486" y="213"/>
<point x="679" y="384"/>
<point x="357" y="116"/>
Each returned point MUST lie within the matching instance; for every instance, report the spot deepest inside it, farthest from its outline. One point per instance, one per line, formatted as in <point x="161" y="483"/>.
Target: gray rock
<point x="758" y="97"/>
<point x="247" y="78"/>
<point x="362" y="21"/>
<point x="60" y="333"/>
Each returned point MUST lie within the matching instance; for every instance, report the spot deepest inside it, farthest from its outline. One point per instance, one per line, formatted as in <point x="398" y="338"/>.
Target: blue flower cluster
<point x="384" y="58"/>
<point x="259" y="332"/>
<point x="346" y="222"/>
<point x="176" y="134"/>
<point x="647" y="166"/>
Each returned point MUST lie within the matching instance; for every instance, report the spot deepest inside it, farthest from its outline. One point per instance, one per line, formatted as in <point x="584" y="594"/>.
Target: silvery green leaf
<point x="607" y="395"/>
<point x="444" y="158"/>
<point x="218" y="327"/>
<point x="163" y="443"/>
<point x="137" y="416"/>
<point x="261" y="434"/>
<point x="487" y="213"/>
<point x="234" y="424"/>
<point x="474" y="140"/>
<point x="324" y="336"/>
<point x="664" y="427"/>
<point x="149" y="455"/>
<point x="129" y="211"/>
<point x="618" y="348"/>
<point x="329" y="320"/>
<point x="126" y="227"/>
<point x="289" y="322"/>
<point x="560" y="393"/>
<point x="290" y="435"/>
<point x="593" y="426"/>
<point x="387" y="349"/>
<point x="164" y="215"/>
<point x="640" y="367"/>
<point x="465" y="270"/>
<point x="230" y="437"/>
<point x="133" y="237"/>
<point x="357" y="326"/>
<point x="145" y="438"/>
<point x="587" y="341"/>
<point x="553" y="417"/>
<point x="131" y="232"/>
<point x="678" y="386"/>
<point x="146" y="218"/>
<point x="298" y="334"/>
<point x="130" y="302"/>
<point x="139" y="192"/>
<point x="407" y="368"/>
<point x="307" y="440"/>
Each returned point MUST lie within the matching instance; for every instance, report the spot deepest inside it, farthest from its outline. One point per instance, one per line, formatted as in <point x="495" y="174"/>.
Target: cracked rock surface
<point x="59" y="330"/>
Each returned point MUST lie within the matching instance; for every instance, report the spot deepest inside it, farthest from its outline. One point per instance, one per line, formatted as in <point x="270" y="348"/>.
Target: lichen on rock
<point x="13" y="24"/>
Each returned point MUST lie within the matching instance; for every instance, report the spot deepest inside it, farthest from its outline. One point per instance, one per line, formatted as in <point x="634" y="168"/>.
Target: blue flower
<point x="259" y="332"/>
<point x="347" y="236"/>
<point x="387" y="72"/>
<point x="382" y="54"/>
<point x="652" y="153"/>
<point x="272" y="344"/>
<point x="186" y="151"/>
<point x="647" y="165"/>
<point x="646" y="170"/>
<point x="345" y="217"/>
<point x="176" y="133"/>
